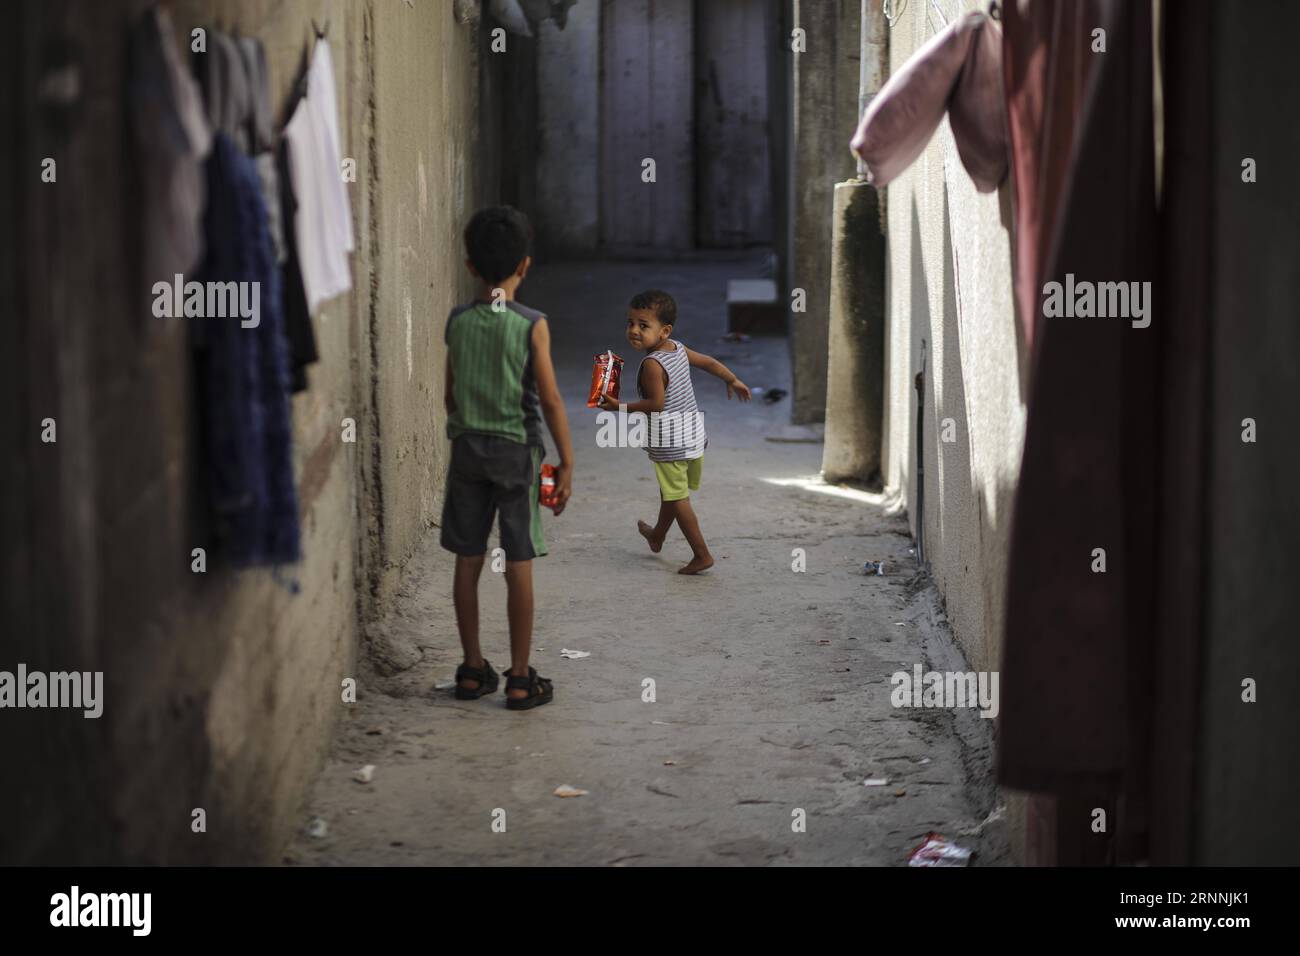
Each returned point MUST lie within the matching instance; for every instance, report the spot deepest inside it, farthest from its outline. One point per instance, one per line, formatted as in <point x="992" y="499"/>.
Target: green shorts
<point x="677" y="479"/>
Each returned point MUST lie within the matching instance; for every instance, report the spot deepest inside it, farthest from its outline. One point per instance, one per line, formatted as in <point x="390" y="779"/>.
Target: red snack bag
<point x="546" y="495"/>
<point x="604" y="378"/>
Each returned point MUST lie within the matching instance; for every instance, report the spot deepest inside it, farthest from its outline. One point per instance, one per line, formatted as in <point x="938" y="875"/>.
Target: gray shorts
<point x="493" y="476"/>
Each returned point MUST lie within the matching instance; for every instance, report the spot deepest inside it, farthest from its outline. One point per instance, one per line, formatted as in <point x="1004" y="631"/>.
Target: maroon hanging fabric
<point x="1046" y="58"/>
<point x="1078" y="650"/>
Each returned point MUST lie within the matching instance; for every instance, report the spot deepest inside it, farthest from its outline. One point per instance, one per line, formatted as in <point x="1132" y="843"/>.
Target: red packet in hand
<point x="547" y="495"/>
<point x="604" y="378"/>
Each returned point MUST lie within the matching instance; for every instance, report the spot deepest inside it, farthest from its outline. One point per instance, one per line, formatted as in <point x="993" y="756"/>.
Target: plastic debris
<point x="774" y="395"/>
<point x="938" y="851"/>
<point x="875" y="782"/>
<point x="444" y="685"/>
<point x="564" y="790"/>
<point x="734" y="337"/>
<point x="573" y="655"/>
<point x="874" y="567"/>
<point x="365" y="774"/>
<point x="670" y="763"/>
<point x="995" y="816"/>
<point x="317" y="828"/>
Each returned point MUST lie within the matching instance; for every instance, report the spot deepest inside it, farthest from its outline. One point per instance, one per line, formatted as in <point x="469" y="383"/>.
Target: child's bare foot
<point x="697" y="565"/>
<point x="647" y="532"/>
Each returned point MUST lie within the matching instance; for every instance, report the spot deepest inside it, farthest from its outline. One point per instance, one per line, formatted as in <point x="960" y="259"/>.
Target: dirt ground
<point x="771" y="686"/>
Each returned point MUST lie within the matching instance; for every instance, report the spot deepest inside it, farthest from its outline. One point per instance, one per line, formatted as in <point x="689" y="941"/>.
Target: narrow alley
<point x="999" y="545"/>
<point x="771" y="686"/>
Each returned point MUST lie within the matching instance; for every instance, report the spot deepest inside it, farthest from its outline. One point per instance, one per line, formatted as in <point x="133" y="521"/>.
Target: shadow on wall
<point x="963" y="517"/>
<point x="918" y="328"/>
<point x="1022" y="349"/>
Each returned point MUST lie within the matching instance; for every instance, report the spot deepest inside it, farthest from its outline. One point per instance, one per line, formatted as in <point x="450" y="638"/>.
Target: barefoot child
<point x="677" y="439"/>
<point x="499" y="374"/>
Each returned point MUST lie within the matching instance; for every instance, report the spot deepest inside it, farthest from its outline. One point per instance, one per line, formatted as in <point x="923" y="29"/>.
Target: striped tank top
<point x="492" y="372"/>
<point x="676" y="433"/>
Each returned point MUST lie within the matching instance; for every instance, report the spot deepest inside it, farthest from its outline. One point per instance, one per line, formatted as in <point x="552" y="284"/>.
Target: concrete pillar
<point x="824" y="104"/>
<point x="856" y="337"/>
<point x="856" y="365"/>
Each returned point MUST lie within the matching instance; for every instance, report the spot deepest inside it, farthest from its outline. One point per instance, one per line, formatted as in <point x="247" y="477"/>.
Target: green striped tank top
<point x="492" y="372"/>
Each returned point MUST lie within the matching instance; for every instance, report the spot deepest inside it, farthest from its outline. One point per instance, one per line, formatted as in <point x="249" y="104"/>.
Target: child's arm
<point x="548" y="392"/>
<point x="711" y="365"/>
<point x="651" y="379"/>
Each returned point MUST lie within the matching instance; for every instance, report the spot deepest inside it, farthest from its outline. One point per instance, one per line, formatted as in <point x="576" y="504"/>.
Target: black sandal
<point x="540" y="690"/>
<point x="485" y="675"/>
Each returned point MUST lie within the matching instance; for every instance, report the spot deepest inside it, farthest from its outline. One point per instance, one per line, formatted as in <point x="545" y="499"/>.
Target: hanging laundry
<point x="1077" y="658"/>
<point x="959" y="71"/>
<point x="1047" y="59"/>
<point x="297" y="317"/>
<point x="242" y="375"/>
<point x="172" y="140"/>
<point x="261" y="136"/>
<point x="226" y="91"/>
<point x="323" y="222"/>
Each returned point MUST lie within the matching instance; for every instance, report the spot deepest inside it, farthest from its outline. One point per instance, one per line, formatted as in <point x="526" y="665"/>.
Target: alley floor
<point x="771" y="686"/>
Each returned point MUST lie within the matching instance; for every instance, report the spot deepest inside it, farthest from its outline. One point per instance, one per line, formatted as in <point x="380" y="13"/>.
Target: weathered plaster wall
<point x="950" y="309"/>
<point x="222" y="688"/>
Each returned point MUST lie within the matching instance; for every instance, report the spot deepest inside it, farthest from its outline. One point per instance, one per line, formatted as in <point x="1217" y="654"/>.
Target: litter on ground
<point x="937" y="851"/>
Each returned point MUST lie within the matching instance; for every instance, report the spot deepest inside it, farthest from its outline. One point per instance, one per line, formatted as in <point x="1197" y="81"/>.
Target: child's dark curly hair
<point x="660" y="303"/>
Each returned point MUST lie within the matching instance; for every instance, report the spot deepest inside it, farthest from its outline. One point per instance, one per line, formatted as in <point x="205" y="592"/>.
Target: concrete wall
<point x="647" y="111"/>
<point x="949" y="287"/>
<point x="824" y="113"/>
<point x="568" y="77"/>
<point x="733" y="163"/>
<point x="682" y="82"/>
<point x="222" y="688"/>
<point x="1248" y="781"/>
<point x="424" y="159"/>
<point x="949" y="302"/>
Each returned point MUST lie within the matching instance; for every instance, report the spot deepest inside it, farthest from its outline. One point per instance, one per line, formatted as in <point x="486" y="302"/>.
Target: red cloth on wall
<point x="1078" y="654"/>
<point x="1046" y="59"/>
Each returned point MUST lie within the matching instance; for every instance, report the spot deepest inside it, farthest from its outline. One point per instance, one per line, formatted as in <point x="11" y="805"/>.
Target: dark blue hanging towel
<point x="244" y="376"/>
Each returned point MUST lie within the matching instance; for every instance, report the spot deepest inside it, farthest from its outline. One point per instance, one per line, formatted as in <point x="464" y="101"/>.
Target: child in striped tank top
<point x="676" y="426"/>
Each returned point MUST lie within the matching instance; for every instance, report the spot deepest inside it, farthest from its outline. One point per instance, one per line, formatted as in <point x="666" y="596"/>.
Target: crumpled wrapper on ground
<point x="936" y="851"/>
